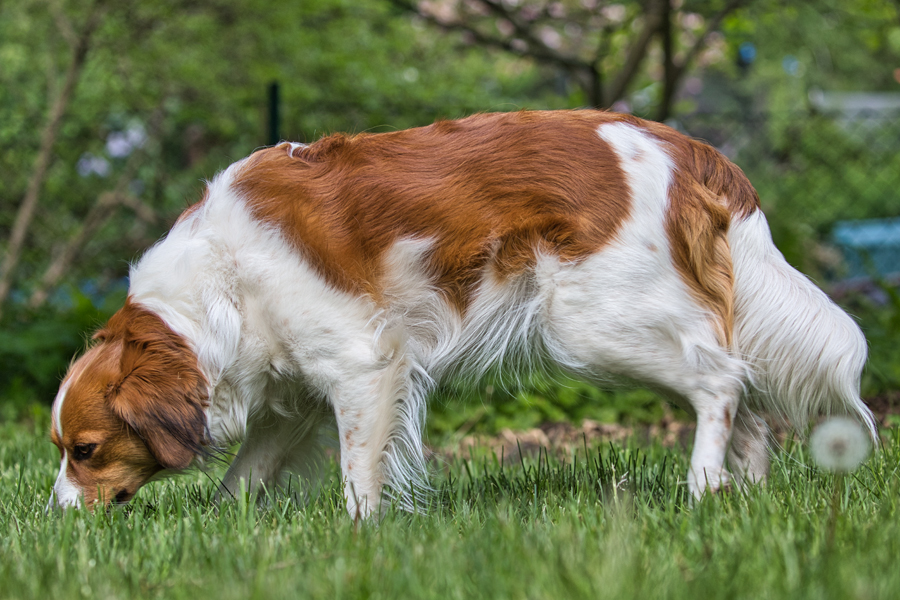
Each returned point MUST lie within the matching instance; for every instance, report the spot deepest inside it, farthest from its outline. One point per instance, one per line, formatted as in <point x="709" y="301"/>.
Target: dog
<point x="338" y="282"/>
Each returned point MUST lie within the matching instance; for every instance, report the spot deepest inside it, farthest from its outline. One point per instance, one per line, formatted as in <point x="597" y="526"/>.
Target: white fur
<point x="626" y="311"/>
<point x="66" y="492"/>
<point x="805" y="352"/>
<point x="57" y="409"/>
<point x="285" y="353"/>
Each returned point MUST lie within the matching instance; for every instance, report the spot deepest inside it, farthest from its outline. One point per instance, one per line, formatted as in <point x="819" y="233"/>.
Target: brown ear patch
<point x="160" y="391"/>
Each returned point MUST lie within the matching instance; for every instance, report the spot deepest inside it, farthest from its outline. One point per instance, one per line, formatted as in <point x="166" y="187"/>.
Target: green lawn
<point x="547" y="529"/>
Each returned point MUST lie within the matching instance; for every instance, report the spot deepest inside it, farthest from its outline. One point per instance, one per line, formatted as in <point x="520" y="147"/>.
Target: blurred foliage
<point x="342" y="65"/>
<point x="366" y="65"/>
<point x="519" y="403"/>
<point x="810" y="170"/>
<point x="879" y="317"/>
<point x="35" y="348"/>
<point x="811" y="44"/>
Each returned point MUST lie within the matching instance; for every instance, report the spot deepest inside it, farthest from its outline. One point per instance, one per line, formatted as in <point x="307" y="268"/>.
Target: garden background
<point x="113" y="113"/>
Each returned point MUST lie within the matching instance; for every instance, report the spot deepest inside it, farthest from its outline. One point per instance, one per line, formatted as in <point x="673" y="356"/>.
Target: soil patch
<point x="562" y="439"/>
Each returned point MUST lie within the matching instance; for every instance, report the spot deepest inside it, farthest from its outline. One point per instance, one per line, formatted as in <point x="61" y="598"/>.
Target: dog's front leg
<point x="367" y="408"/>
<point x="274" y="445"/>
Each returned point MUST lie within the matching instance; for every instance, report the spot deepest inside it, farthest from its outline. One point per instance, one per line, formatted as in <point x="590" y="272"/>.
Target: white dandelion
<point x="839" y="445"/>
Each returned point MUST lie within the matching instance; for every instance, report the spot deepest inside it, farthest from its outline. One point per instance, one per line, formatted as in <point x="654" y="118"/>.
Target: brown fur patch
<point x="708" y="190"/>
<point x="490" y="190"/>
<point x="159" y="391"/>
<point x="697" y="227"/>
<point x="120" y="460"/>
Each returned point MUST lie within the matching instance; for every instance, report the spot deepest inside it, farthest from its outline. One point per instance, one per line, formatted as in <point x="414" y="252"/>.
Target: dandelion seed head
<point x="839" y="444"/>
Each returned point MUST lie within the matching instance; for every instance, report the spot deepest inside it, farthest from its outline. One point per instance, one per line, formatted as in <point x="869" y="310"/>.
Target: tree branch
<point x="63" y="24"/>
<point x="541" y="51"/>
<point x="674" y="71"/>
<point x="25" y="213"/>
<point x="637" y="51"/>
<point x="99" y="213"/>
<point x="536" y="45"/>
<point x="714" y="23"/>
<point x="536" y="49"/>
<point x="657" y="15"/>
<point x="141" y="209"/>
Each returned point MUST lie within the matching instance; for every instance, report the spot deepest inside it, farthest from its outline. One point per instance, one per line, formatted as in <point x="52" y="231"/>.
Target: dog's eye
<point x="83" y="451"/>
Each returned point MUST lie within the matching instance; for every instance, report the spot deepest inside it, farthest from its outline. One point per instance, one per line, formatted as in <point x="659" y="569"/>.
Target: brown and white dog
<point x="339" y="281"/>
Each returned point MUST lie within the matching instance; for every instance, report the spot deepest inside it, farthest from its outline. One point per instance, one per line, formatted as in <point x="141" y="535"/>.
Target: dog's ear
<point x="159" y="390"/>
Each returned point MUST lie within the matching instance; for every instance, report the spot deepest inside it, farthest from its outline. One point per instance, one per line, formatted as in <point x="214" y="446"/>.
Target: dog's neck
<point x="191" y="281"/>
<point x="218" y="280"/>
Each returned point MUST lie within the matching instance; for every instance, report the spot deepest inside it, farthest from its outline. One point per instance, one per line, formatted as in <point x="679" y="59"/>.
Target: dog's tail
<point x="805" y="354"/>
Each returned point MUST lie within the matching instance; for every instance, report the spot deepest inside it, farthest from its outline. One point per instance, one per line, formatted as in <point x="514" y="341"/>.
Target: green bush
<point x="881" y="324"/>
<point x="36" y="346"/>
<point x="520" y="403"/>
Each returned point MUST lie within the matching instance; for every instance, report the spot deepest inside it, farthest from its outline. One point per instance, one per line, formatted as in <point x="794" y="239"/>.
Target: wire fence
<point x="829" y="183"/>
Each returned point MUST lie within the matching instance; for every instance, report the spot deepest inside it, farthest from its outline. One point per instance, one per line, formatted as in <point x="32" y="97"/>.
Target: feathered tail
<point x="806" y="354"/>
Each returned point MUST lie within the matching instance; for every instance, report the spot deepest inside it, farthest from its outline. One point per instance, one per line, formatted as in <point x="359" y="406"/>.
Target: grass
<point x="608" y="522"/>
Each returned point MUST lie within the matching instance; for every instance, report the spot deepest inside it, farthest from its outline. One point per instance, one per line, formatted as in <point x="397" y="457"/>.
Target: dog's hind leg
<point x="604" y="319"/>
<point x="748" y="455"/>
<point x="706" y="379"/>
<point x="714" y="399"/>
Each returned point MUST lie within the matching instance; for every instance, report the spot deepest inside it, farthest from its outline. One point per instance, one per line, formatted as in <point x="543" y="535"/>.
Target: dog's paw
<point x="709" y="481"/>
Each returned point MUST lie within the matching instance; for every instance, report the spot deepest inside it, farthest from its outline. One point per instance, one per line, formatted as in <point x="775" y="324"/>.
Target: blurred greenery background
<point x="113" y="113"/>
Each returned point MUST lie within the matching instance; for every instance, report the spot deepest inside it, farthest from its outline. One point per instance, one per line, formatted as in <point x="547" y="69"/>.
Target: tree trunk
<point x="669" y="72"/>
<point x="675" y="71"/>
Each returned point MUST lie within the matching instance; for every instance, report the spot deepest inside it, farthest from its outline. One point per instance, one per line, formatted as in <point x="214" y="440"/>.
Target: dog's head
<point x="130" y="407"/>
